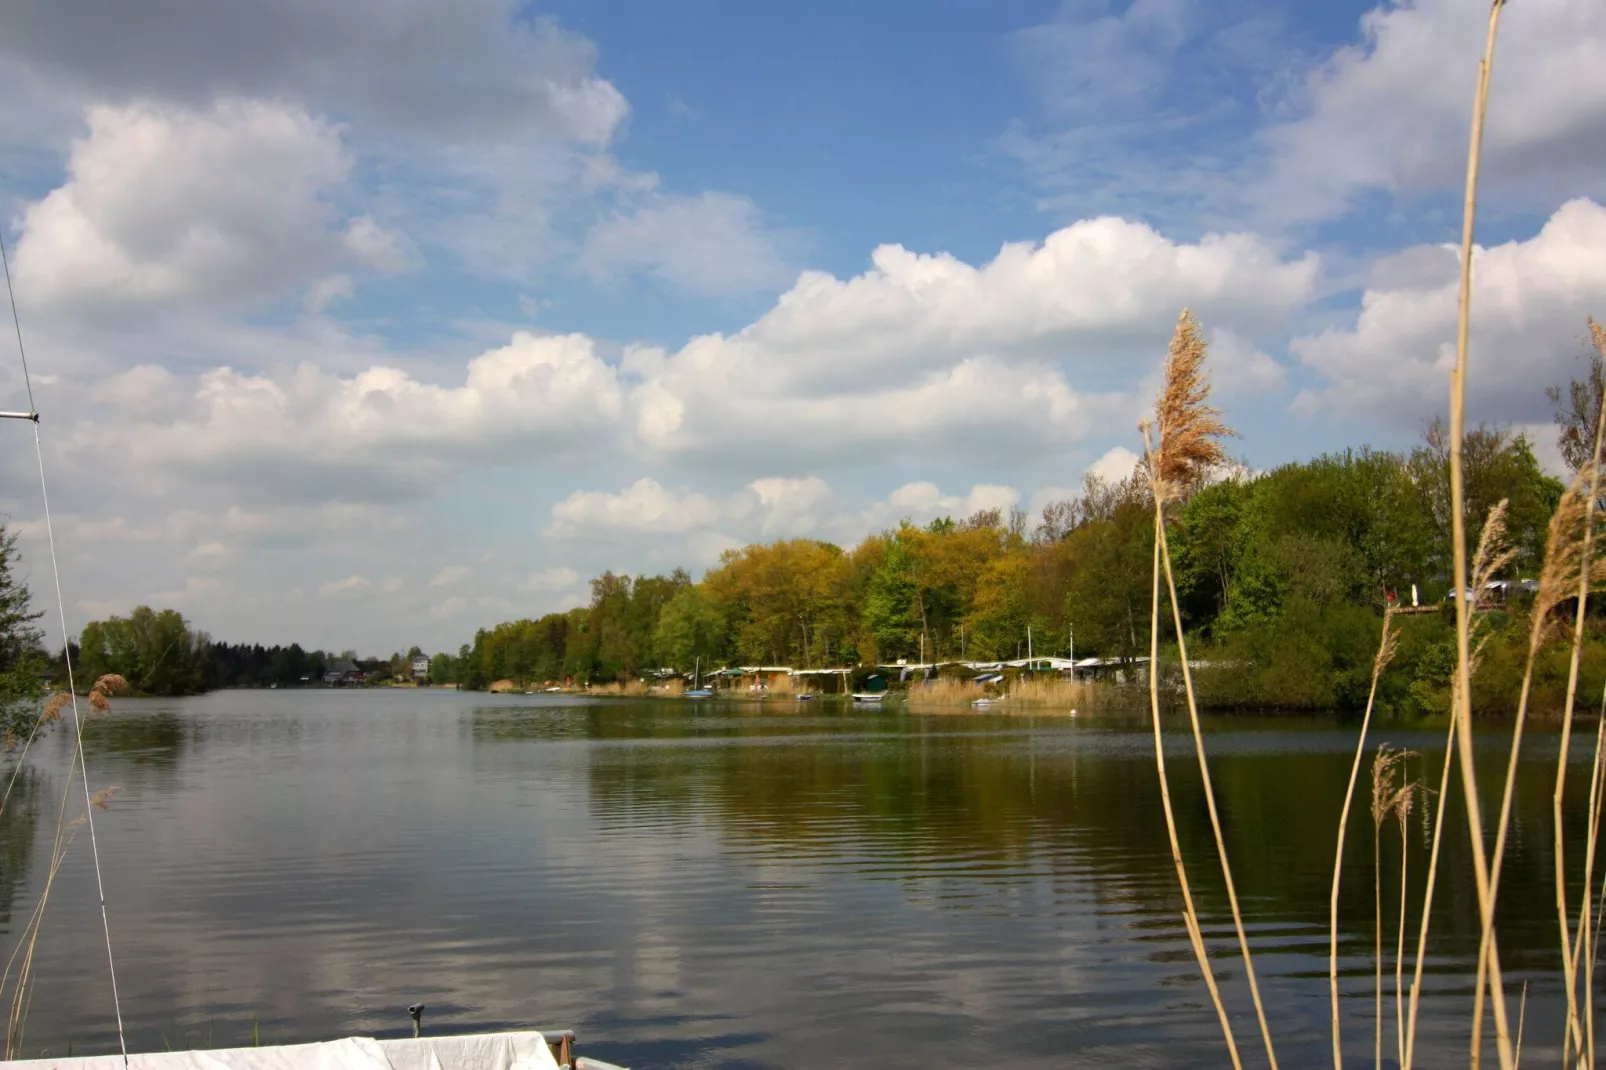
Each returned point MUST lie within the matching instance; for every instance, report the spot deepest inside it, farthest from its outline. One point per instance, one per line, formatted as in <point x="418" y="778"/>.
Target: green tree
<point x="690" y="631"/>
<point x="891" y="610"/>
<point x="22" y="659"/>
<point x="155" y="651"/>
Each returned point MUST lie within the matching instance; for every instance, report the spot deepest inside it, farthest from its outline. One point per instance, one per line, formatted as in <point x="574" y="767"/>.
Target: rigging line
<point x="16" y="321"/>
<point x="66" y="655"/>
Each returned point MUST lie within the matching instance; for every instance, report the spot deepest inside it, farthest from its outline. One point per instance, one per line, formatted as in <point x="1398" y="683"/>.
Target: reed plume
<point x="1404" y="804"/>
<point x="1584" y="571"/>
<point x="1565" y="565"/>
<point x="1189" y="429"/>
<point x="1385" y="797"/>
<point x="53" y="707"/>
<point x="1492" y="553"/>
<point x="1387" y="644"/>
<point x="1188" y="448"/>
<point x="111" y="684"/>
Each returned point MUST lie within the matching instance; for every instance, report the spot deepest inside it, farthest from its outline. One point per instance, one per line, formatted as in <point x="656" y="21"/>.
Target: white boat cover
<point x="486" y="1051"/>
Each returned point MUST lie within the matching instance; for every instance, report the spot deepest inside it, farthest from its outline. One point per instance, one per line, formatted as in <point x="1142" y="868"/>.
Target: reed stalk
<point x="1385" y="653"/>
<point x="1190" y="917"/>
<point x="1390" y="798"/>
<point x="1427" y="893"/>
<point x="1583" y="938"/>
<point x="1187" y="447"/>
<point x="1575" y="1035"/>
<point x="1210" y="804"/>
<point x="1461" y="714"/>
<point x="1558" y="580"/>
<point x="1402" y="812"/>
<point x="1522" y="1014"/>
<point x="1382" y="792"/>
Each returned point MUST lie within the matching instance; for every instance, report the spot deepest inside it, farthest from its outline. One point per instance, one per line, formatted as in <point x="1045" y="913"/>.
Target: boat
<point x="869" y="696"/>
<point x="524" y="1050"/>
<point x="697" y="690"/>
<point x="805" y="697"/>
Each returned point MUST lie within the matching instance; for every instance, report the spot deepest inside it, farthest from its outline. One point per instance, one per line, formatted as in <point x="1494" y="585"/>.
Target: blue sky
<point x="368" y="324"/>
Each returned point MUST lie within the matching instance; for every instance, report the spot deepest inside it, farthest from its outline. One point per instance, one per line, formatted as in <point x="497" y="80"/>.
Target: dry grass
<point x="1386" y="647"/>
<point x="1404" y="802"/>
<point x="619" y="688"/>
<point x="1053" y="692"/>
<point x="1035" y="694"/>
<point x="1576" y="1039"/>
<point x="1188" y="447"/>
<point x="1190" y="916"/>
<point x="944" y="694"/>
<point x="1461" y="712"/>
<point x="1188" y="428"/>
<point x="1392" y="796"/>
<point x="1566" y="563"/>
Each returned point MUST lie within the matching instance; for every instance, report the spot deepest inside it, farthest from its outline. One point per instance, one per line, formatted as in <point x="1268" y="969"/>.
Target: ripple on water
<point x="715" y="887"/>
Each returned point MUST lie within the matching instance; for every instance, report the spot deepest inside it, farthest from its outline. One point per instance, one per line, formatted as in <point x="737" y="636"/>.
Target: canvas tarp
<point x="489" y="1051"/>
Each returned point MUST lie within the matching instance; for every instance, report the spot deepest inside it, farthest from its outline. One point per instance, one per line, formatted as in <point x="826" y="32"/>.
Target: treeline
<point x="159" y="653"/>
<point x="1283" y="575"/>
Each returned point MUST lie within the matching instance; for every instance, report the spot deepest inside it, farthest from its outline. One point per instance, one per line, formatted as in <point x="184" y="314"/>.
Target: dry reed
<point x="1492" y="555"/>
<point x="1461" y="713"/>
<point x="1392" y="797"/>
<point x="1387" y="645"/>
<point x="1583" y="935"/>
<point x="1585" y="569"/>
<point x="1055" y="693"/>
<point x="1404" y="803"/>
<point x="1190" y="917"/>
<point x="1188" y="450"/>
<point x="1564" y="566"/>
<point x="1188" y="447"/>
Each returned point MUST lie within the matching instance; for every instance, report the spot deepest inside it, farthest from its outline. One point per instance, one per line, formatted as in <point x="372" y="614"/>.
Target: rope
<point x="16" y="321"/>
<point x="66" y="654"/>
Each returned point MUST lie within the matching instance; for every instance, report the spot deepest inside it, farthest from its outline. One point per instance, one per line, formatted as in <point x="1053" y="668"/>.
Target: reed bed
<point x="1055" y="693"/>
<point x="1039" y="694"/>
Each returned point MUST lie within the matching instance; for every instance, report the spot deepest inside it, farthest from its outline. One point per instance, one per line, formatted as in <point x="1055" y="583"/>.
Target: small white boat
<point x="699" y="692"/>
<point x="485" y="1051"/>
<point x="869" y="696"/>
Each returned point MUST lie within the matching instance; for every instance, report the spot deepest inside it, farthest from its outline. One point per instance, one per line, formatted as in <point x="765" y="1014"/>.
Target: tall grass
<point x="1576" y="1039"/>
<point x="1190" y="916"/>
<point x="18" y="971"/>
<point x="1184" y="447"/>
<point x="1385" y="653"/>
<point x="1055" y="693"/>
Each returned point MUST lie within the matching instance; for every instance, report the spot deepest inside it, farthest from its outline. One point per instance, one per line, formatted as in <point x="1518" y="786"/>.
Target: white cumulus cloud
<point x="1391" y="112"/>
<point x="166" y="204"/>
<point x="1529" y="305"/>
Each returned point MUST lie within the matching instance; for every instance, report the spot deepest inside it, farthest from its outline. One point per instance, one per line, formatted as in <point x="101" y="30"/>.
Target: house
<point x="342" y="673"/>
<point x="421" y="666"/>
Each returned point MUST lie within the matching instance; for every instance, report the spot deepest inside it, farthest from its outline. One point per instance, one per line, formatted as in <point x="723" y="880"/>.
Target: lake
<point x="713" y="885"/>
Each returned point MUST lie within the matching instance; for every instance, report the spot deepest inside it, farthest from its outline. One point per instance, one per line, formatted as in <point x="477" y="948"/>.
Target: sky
<point x="366" y="325"/>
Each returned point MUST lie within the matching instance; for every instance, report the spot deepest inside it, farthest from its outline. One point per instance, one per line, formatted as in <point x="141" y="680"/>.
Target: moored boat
<point x="524" y="1050"/>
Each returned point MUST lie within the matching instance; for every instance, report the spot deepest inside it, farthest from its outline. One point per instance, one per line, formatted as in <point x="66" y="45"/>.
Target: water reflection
<point x="712" y="885"/>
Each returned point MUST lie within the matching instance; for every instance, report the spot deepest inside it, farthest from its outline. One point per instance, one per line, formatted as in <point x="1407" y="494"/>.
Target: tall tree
<point x="22" y="659"/>
<point x="1578" y="404"/>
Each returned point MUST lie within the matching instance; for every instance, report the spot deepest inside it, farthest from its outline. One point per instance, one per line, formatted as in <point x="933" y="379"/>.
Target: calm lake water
<point x="708" y="885"/>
